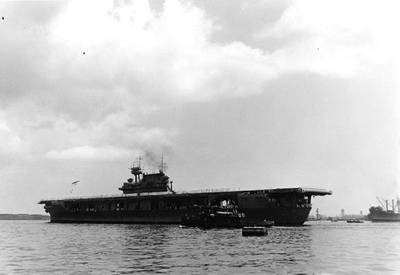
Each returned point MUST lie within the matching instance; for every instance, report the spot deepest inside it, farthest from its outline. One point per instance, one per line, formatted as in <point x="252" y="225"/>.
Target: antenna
<point x="136" y="170"/>
<point x="163" y="167"/>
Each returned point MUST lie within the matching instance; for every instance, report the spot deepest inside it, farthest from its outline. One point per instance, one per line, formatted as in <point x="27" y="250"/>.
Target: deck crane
<point x="381" y="202"/>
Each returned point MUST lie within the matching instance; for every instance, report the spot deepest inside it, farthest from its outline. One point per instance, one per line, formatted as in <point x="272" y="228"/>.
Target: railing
<point x="84" y="197"/>
<point x="207" y="190"/>
<point x="211" y="190"/>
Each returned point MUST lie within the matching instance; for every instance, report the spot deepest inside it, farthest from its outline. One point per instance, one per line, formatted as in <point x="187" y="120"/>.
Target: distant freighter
<point x="149" y="198"/>
<point x="377" y="214"/>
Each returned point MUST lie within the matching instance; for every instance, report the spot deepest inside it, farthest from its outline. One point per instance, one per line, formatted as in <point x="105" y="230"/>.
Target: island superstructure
<point x="150" y="198"/>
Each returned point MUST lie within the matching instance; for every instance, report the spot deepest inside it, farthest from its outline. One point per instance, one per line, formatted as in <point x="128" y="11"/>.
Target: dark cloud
<point x="304" y="130"/>
<point x="239" y="20"/>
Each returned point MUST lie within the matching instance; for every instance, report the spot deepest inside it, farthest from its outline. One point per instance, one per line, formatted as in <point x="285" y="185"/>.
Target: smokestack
<point x="394" y="210"/>
<point x="387" y="205"/>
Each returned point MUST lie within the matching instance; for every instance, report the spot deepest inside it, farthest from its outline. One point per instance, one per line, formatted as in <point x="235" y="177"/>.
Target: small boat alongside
<point x="254" y="231"/>
<point x="213" y="217"/>
<point x="354" y="221"/>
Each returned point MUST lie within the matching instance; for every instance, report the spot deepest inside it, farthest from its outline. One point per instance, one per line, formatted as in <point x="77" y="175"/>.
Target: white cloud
<point x="337" y="38"/>
<point x="137" y="60"/>
<point x="91" y="153"/>
<point x="134" y="54"/>
<point x="166" y="55"/>
<point x="116" y="137"/>
<point x="10" y="142"/>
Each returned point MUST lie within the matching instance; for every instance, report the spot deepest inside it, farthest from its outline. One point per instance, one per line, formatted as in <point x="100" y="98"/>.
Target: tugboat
<point x="213" y="217"/>
<point x="254" y="231"/>
<point x="354" y="221"/>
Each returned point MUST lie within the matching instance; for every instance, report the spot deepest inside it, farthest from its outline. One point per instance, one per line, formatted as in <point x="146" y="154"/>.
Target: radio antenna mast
<point x="163" y="167"/>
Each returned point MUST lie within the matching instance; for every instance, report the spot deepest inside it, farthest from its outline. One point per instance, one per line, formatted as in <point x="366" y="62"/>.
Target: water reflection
<point x="38" y="247"/>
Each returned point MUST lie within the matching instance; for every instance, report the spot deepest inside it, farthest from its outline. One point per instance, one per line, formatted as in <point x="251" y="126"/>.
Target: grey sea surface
<point x="40" y="247"/>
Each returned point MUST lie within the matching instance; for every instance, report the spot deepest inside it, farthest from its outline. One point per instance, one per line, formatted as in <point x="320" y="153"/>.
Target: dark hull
<point x="290" y="207"/>
<point x="386" y="218"/>
<point x="254" y="216"/>
<point x="377" y="214"/>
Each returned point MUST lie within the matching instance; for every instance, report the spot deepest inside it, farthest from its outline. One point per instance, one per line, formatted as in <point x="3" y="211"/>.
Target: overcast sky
<point x="236" y="94"/>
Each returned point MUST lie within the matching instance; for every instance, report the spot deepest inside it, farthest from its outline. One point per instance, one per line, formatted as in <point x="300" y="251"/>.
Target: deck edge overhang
<point x="277" y="191"/>
<point x="301" y="190"/>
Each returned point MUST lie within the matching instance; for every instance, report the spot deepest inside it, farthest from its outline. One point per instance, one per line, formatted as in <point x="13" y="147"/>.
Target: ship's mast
<point x="398" y="205"/>
<point x="136" y="170"/>
<point x="163" y="166"/>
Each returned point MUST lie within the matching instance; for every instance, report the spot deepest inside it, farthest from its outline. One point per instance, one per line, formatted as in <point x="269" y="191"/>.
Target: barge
<point x="150" y="198"/>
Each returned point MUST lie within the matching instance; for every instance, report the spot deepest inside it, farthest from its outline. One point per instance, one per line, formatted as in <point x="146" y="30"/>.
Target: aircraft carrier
<point x="150" y="198"/>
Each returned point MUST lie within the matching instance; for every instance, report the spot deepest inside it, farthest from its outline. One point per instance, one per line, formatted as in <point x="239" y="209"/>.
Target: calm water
<point x="39" y="247"/>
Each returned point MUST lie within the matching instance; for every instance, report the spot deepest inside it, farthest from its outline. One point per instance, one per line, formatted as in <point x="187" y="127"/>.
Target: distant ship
<point x="150" y="198"/>
<point x="381" y="214"/>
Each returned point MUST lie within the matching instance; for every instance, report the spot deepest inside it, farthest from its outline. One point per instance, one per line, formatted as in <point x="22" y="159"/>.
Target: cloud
<point x="164" y="56"/>
<point x="335" y="38"/>
<point x="91" y="153"/>
<point x="136" y="62"/>
<point x="237" y="20"/>
<point x="136" y="57"/>
<point x="116" y="137"/>
<point x="10" y="142"/>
